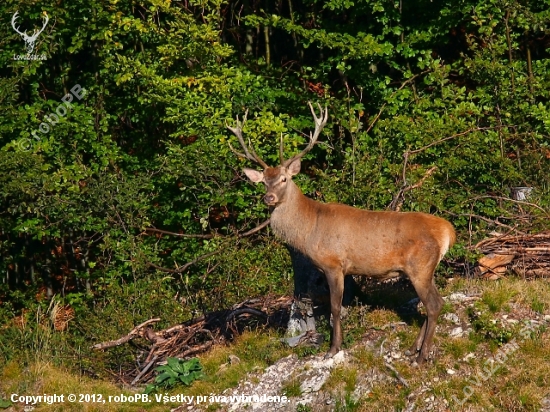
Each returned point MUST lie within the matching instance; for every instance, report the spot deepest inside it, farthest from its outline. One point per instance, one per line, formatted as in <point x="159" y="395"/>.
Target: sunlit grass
<point x="253" y="351"/>
<point x="520" y="383"/>
<point x="45" y="378"/>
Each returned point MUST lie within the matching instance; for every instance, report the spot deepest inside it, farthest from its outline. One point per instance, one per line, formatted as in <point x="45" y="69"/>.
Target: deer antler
<point x="13" y="19"/>
<point x="36" y="32"/>
<point x="46" y="20"/>
<point x="249" y="152"/>
<point x="29" y="40"/>
<point x="281" y="149"/>
<point x="320" y="123"/>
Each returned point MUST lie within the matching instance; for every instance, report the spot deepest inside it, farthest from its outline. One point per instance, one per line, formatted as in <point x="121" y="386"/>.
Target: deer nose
<point x="270" y="199"/>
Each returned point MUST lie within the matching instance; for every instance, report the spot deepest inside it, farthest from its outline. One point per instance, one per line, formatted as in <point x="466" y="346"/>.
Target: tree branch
<point x="398" y="199"/>
<point x="507" y="199"/>
<point x="475" y="129"/>
<point x="133" y="333"/>
<point x="144" y="371"/>
<point x="210" y="236"/>
<point x="166" y="232"/>
<point x="205" y="256"/>
<point x="256" y="229"/>
<point x="187" y="265"/>
<point x="485" y="219"/>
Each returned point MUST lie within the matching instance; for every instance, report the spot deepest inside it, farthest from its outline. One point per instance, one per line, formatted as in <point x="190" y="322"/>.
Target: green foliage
<point x="488" y="328"/>
<point x="292" y="388"/>
<point x="305" y="351"/>
<point x="538" y="305"/>
<point x="448" y="100"/>
<point x="175" y="372"/>
<point x="347" y="403"/>
<point x="5" y="404"/>
<point x="495" y="299"/>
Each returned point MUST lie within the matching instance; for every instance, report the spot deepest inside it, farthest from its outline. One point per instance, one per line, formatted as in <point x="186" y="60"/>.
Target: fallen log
<point x="133" y="333"/>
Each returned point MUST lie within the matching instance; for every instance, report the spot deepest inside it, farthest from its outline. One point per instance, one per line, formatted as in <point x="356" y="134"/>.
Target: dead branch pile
<point x="197" y="335"/>
<point x="527" y="256"/>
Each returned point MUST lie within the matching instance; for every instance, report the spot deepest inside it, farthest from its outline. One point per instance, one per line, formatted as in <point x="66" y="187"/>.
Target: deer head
<point x="277" y="179"/>
<point x="29" y="40"/>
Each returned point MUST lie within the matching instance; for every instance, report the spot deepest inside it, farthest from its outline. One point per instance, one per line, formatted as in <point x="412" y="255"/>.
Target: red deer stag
<point x="342" y="240"/>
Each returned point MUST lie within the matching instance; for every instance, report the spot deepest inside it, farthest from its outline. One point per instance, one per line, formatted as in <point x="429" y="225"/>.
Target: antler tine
<point x="320" y="123"/>
<point x="249" y="153"/>
<point x="13" y="19"/>
<point x="281" y="149"/>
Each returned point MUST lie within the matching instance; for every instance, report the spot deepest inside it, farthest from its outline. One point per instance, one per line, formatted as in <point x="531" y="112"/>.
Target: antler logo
<point x="29" y="40"/>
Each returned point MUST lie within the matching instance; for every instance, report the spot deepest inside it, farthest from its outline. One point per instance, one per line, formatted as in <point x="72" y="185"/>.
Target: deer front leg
<point x="335" y="280"/>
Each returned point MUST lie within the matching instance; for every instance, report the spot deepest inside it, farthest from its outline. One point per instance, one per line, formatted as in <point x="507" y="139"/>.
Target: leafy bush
<point x="488" y="328"/>
<point x="177" y="371"/>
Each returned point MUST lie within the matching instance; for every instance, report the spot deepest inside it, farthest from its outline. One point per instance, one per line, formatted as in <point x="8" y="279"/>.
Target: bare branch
<point x="475" y="129"/>
<point x="133" y="333"/>
<point x="256" y="229"/>
<point x="192" y="351"/>
<point x="210" y="236"/>
<point x="507" y="199"/>
<point x="144" y="371"/>
<point x="250" y="311"/>
<point x="166" y="232"/>
<point x="398" y="199"/>
<point x="397" y="374"/>
<point x="207" y="255"/>
<point x="485" y="219"/>
<point x="200" y="334"/>
<point x="187" y="265"/>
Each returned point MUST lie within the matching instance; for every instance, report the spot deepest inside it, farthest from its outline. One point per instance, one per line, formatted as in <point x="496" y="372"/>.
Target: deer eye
<point x="283" y="179"/>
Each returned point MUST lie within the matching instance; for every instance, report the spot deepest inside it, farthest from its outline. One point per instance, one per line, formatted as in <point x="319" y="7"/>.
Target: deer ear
<point x="294" y="167"/>
<point x="254" y="175"/>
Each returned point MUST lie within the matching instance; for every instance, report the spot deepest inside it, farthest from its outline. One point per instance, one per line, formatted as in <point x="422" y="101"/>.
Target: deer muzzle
<point x="270" y="199"/>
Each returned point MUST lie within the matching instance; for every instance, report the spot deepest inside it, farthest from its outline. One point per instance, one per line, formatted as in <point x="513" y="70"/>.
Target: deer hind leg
<point x="428" y="294"/>
<point x="335" y="280"/>
<point x="417" y="345"/>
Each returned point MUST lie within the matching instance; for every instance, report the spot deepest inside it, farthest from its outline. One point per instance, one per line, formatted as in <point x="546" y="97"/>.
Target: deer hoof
<point x="420" y="360"/>
<point x="331" y="352"/>
<point x="411" y="352"/>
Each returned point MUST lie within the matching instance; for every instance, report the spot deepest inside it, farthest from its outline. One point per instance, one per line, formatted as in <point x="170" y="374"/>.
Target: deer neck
<point x="292" y="220"/>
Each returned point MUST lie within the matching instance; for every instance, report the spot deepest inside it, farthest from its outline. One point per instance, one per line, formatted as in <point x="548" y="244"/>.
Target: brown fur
<point x="342" y="240"/>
